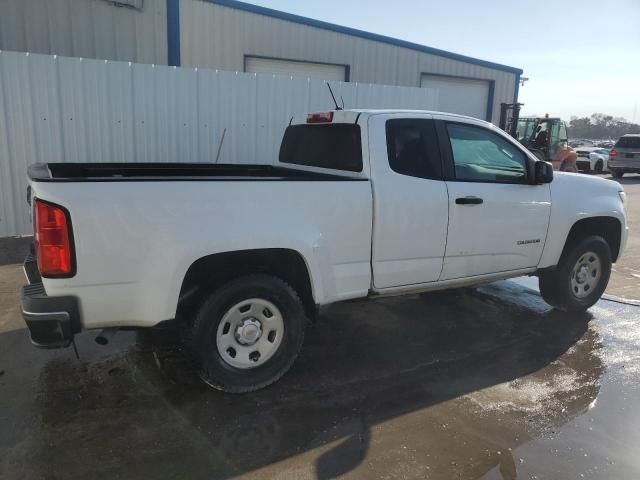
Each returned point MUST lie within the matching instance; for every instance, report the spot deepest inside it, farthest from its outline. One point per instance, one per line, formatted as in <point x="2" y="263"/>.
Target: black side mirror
<point x="543" y="172"/>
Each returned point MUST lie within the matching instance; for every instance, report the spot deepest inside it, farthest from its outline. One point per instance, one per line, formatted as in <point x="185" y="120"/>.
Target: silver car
<point x="625" y="156"/>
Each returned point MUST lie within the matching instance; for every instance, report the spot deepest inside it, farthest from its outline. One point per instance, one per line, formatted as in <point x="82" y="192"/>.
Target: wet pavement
<point x="486" y="383"/>
<point x="625" y="278"/>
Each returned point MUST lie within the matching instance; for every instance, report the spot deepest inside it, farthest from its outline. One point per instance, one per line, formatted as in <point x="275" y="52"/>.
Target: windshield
<point x="525" y="129"/>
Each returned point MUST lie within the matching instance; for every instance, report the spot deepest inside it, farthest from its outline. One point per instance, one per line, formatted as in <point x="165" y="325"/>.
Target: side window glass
<point x="481" y="155"/>
<point x="563" y="133"/>
<point x="555" y="134"/>
<point x="412" y="147"/>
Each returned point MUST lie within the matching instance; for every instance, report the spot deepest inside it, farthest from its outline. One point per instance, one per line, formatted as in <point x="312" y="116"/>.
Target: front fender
<point x="576" y="197"/>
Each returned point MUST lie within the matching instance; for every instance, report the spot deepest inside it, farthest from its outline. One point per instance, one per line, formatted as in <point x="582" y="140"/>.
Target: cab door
<point x="497" y="219"/>
<point x="410" y="200"/>
<point x="559" y="137"/>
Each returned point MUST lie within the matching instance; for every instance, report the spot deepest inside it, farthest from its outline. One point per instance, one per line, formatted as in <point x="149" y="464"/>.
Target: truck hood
<point x="582" y="184"/>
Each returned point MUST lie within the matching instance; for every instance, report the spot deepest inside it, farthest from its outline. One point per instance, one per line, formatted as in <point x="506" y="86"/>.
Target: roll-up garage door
<point x="460" y="95"/>
<point x="320" y="71"/>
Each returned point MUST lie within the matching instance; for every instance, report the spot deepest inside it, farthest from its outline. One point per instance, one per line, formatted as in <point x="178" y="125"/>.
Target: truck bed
<point x="118" y="172"/>
<point x="137" y="229"/>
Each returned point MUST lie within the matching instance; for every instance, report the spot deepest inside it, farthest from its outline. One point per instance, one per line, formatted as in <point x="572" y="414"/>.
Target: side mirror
<point x="543" y="172"/>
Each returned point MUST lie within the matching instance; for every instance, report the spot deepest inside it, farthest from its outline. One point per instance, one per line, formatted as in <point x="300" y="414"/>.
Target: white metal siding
<point x="215" y="36"/>
<point x="307" y="69"/>
<point x="57" y="109"/>
<point x="86" y="28"/>
<point x="460" y="95"/>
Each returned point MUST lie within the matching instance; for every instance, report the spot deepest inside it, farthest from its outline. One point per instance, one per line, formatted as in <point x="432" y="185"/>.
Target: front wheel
<point x="599" y="167"/>
<point x="617" y="173"/>
<point x="580" y="278"/>
<point x="248" y="333"/>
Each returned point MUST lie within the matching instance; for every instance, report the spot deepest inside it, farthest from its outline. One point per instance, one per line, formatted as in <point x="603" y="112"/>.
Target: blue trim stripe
<point x="173" y="33"/>
<point x="247" y="7"/>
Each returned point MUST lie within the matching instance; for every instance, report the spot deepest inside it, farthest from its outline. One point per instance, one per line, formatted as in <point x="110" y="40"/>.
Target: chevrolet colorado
<point x="362" y="203"/>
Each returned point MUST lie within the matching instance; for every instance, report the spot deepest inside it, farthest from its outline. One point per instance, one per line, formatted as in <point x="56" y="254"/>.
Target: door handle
<point x="469" y="201"/>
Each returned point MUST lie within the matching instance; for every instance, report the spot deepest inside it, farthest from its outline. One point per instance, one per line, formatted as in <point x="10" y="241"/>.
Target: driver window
<point x="480" y="155"/>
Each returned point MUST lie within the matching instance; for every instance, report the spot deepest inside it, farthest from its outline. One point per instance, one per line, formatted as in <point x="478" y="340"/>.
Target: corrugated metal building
<point x="236" y="36"/>
<point x="127" y="30"/>
<point x="62" y="109"/>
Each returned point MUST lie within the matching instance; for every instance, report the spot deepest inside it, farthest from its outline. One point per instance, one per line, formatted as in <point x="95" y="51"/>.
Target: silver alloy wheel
<point x="586" y="274"/>
<point x="250" y="333"/>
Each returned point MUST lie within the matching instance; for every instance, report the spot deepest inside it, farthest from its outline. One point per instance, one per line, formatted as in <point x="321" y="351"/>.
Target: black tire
<point x="556" y="287"/>
<point x="599" y="167"/>
<point x="617" y="173"/>
<point x="215" y="371"/>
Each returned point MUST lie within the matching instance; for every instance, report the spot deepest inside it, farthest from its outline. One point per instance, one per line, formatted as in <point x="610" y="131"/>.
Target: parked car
<point x="362" y="204"/>
<point x="625" y="156"/>
<point x="592" y="159"/>
<point x="580" y="143"/>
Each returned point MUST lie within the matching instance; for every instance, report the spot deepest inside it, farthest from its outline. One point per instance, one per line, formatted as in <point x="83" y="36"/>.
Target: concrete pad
<point x="487" y="383"/>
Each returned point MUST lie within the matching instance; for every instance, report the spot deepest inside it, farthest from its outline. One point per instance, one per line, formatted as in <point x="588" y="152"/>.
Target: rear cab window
<point x="336" y="146"/>
<point x="412" y="148"/>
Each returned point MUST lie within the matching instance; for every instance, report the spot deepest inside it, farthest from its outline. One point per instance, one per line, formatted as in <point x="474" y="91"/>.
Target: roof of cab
<point x="352" y="115"/>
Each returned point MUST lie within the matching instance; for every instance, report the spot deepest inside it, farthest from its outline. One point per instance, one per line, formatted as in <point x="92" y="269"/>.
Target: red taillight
<point x="613" y="153"/>
<point x="53" y="240"/>
<point x="320" y="117"/>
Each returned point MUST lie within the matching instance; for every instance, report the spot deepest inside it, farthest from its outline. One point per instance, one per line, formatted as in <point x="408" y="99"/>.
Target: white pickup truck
<point x="362" y="203"/>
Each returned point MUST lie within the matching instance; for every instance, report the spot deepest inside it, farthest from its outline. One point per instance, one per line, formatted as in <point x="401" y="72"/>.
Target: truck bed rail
<point x="119" y="172"/>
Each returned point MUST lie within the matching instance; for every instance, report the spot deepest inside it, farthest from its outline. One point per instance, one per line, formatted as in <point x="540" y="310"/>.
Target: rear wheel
<point x="248" y="333"/>
<point x="580" y="278"/>
<point x="617" y="173"/>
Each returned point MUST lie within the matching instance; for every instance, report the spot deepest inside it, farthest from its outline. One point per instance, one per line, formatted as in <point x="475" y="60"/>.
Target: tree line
<point x="601" y="126"/>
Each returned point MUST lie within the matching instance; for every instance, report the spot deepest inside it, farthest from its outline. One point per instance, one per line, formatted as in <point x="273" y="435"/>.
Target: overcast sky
<point x="582" y="56"/>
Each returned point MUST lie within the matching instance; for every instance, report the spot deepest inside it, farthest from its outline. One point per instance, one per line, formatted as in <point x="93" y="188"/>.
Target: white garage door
<point x="320" y="71"/>
<point x="460" y="95"/>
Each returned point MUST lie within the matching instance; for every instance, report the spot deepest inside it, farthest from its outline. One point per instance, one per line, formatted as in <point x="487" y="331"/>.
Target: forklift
<point x="546" y="137"/>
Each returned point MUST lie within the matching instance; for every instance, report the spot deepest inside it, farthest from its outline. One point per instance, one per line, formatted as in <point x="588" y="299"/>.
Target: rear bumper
<point x="52" y="321"/>
<point x="625" y="165"/>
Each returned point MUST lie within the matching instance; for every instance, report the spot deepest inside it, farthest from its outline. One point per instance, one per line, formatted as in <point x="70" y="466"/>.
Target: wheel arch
<point x="211" y="271"/>
<point x="609" y="228"/>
